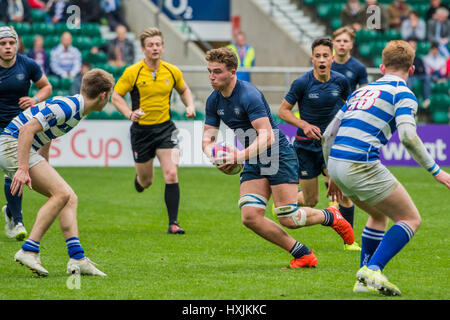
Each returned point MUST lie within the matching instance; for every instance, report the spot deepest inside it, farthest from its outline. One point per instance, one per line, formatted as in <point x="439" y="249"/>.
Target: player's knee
<point x="171" y="176"/>
<point x="250" y="218"/>
<point x="291" y="216"/>
<point x="63" y="196"/>
<point x="146" y="182"/>
<point x="252" y="207"/>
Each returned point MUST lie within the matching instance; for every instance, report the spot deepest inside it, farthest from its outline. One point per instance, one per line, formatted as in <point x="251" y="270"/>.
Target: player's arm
<point x="186" y="96"/>
<point x="25" y="141"/>
<point x="208" y="139"/>
<point x="414" y="145"/>
<point x="45" y="90"/>
<point x="122" y="106"/>
<point x="285" y="113"/>
<point x="265" y="138"/>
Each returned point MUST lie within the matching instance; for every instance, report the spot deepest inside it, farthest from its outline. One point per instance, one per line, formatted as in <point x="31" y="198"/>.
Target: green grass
<point x="217" y="258"/>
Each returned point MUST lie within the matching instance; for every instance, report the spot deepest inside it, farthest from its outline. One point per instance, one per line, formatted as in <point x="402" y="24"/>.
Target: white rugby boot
<point x="84" y="266"/>
<point x="32" y="261"/>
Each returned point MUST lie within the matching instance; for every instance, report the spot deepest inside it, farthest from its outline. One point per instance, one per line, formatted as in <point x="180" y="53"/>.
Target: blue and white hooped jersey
<point x="370" y="117"/>
<point x="57" y="116"/>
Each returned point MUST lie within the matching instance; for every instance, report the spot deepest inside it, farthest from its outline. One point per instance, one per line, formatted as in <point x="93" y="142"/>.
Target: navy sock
<point x="172" y="199"/>
<point x="348" y="213"/>
<point x="393" y="241"/>
<point x="31" y="245"/>
<point x="329" y="218"/>
<point x="74" y="248"/>
<point x="299" y="250"/>
<point x="370" y="240"/>
<point x="14" y="203"/>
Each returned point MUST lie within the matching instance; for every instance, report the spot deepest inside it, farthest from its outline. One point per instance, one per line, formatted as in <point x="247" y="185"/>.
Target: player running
<point x="33" y="129"/>
<point x="270" y="161"/>
<point x="319" y="94"/>
<point x="351" y="145"/>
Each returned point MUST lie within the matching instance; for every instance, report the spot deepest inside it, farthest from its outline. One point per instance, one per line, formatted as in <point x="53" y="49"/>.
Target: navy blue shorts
<point x="282" y="169"/>
<point x="310" y="163"/>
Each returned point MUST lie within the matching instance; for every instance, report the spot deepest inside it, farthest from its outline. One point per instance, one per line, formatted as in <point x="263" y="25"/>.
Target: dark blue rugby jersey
<point x="14" y="84"/>
<point x="318" y="102"/>
<point x="245" y="105"/>
<point x="353" y="70"/>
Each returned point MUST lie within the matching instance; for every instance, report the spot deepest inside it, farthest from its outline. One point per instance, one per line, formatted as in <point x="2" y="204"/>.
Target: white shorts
<point x="8" y="156"/>
<point x="370" y="182"/>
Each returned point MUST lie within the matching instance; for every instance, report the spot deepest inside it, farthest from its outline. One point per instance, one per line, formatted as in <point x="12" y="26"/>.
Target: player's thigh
<point x="310" y="188"/>
<point x="145" y="170"/>
<point x="258" y="187"/>
<point x="47" y="181"/>
<point x="284" y="194"/>
<point x="399" y="207"/>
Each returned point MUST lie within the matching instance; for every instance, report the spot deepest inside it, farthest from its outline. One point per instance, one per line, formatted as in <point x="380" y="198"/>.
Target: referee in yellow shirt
<point x="150" y="83"/>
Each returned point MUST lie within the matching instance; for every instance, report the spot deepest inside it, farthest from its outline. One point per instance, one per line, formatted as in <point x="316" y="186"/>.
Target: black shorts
<point x="145" y="139"/>
<point x="310" y="163"/>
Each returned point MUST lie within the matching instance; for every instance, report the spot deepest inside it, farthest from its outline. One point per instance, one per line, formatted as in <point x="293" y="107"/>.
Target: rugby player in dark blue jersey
<point x="344" y="63"/>
<point x="270" y="166"/>
<point x="16" y="72"/>
<point x="319" y="94"/>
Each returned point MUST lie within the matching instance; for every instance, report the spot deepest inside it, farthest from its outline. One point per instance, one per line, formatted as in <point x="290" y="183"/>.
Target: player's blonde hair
<point x="96" y="81"/>
<point x="223" y="55"/>
<point x="149" y="33"/>
<point x="398" y="55"/>
<point x="350" y="31"/>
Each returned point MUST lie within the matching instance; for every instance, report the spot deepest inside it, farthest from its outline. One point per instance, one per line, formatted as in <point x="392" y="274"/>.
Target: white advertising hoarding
<point x="106" y="143"/>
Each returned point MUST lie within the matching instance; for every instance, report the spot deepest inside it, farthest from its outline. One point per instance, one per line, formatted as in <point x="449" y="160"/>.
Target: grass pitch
<point x="218" y="258"/>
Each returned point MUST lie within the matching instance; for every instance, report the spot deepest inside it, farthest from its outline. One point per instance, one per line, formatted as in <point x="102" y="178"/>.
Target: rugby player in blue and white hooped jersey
<point x="32" y="130"/>
<point x="351" y="145"/>
<point x="16" y="73"/>
<point x="319" y="94"/>
<point x="270" y="166"/>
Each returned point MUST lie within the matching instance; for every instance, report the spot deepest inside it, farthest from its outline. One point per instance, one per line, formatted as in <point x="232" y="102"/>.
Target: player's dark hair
<point x="322" y="42"/>
<point x="223" y="55"/>
<point x="95" y="82"/>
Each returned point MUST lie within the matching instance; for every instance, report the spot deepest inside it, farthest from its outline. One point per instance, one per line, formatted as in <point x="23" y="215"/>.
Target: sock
<point x="299" y="250"/>
<point x="14" y="203"/>
<point x="393" y="241"/>
<point x="370" y="239"/>
<point x="329" y="218"/>
<point x="31" y="245"/>
<point x="348" y="213"/>
<point x="172" y="199"/>
<point x="74" y="248"/>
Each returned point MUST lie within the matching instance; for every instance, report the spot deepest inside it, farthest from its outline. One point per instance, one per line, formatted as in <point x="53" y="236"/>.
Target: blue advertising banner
<point x="197" y="10"/>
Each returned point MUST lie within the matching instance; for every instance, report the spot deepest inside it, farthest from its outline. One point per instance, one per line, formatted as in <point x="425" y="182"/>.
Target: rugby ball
<point x="220" y="150"/>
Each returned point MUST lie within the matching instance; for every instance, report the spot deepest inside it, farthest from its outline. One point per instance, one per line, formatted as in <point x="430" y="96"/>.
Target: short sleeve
<point x="405" y="106"/>
<point x="363" y="79"/>
<point x="255" y="106"/>
<point x="346" y="90"/>
<point x="178" y="75"/>
<point x="51" y="115"/>
<point x="35" y="71"/>
<point x="125" y="83"/>
<point x="295" y="93"/>
<point x="211" y="116"/>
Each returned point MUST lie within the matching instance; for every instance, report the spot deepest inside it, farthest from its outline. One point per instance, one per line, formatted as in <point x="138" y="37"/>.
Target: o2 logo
<point x="183" y="8"/>
<point x="363" y="100"/>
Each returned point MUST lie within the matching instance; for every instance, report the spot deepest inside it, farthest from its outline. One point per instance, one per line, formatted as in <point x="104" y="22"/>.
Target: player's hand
<point x="312" y="132"/>
<point x="20" y="179"/>
<point x="334" y="191"/>
<point x="444" y="178"/>
<point x="136" y="115"/>
<point x="26" y="102"/>
<point x="190" y="112"/>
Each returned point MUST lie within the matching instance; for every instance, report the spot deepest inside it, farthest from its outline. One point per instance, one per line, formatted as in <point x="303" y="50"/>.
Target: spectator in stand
<point x="414" y="26"/>
<point x="76" y="84"/>
<point x="39" y="54"/>
<point x="435" y="64"/>
<point x="65" y="60"/>
<point x="120" y="50"/>
<point x="57" y="10"/>
<point x="438" y="30"/>
<point x="15" y="11"/>
<point x="397" y="11"/>
<point x="420" y="74"/>
<point x="245" y="54"/>
<point x="353" y="15"/>
<point x="372" y="20"/>
<point x="434" y="4"/>
<point x="91" y="11"/>
<point x="112" y="10"/>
